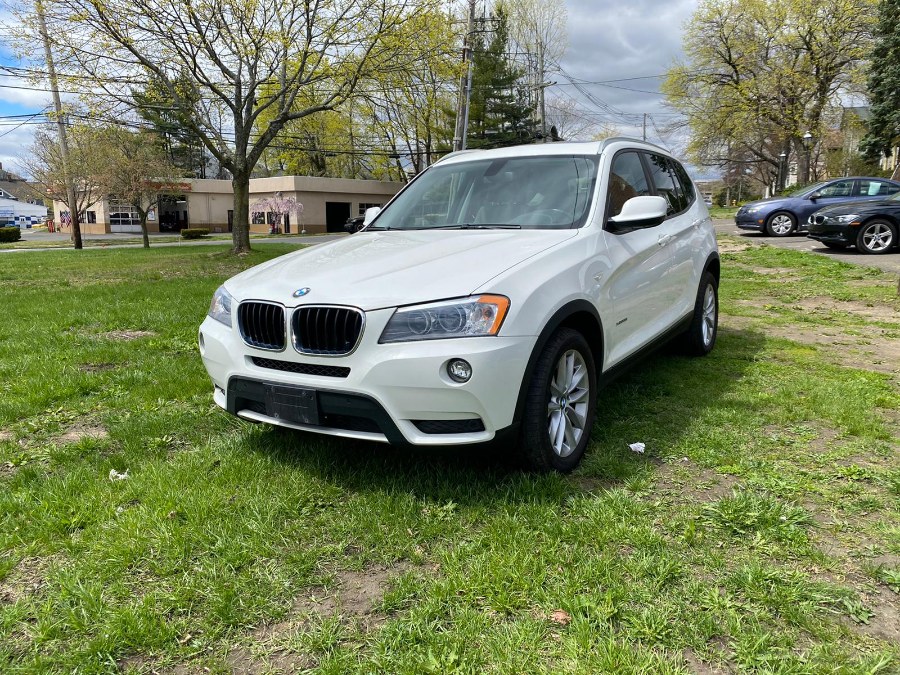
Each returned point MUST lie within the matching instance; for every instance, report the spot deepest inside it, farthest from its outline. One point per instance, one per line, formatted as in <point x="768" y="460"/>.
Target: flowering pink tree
<point x="278" y="205"/>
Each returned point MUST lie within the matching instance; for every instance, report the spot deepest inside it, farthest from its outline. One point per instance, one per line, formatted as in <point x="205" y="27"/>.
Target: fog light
<point x="459" y="370"/>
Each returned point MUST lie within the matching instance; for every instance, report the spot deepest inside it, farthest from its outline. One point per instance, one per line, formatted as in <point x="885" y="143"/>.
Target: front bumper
<point x="749" y="221"/>
<point x="397" y="393"/>
<point x="838" y="233"/>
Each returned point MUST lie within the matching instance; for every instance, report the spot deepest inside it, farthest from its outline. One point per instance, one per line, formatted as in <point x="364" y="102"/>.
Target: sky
<point x="610" y="42"/>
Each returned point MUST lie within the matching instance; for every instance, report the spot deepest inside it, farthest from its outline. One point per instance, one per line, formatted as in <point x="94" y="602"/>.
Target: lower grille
<point x="262" y="325"/>
<point x="326" y="331"/>
<point x="302" y="368"/>
<point x="449" y="426"/>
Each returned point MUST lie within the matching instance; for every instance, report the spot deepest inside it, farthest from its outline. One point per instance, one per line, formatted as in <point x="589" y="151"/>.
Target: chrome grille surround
<point x="262" y="325"/>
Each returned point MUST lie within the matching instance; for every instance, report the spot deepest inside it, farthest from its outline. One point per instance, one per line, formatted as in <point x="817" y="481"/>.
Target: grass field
<point x="142" y="530"/>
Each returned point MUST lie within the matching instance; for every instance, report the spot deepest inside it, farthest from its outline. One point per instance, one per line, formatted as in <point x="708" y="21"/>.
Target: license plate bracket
<point x="292" y="404"/>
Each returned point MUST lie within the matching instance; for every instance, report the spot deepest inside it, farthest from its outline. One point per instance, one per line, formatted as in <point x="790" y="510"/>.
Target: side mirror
<point x="815" y="195"/>
<point x="370" y="214"/>
<point x="641" y="212"/>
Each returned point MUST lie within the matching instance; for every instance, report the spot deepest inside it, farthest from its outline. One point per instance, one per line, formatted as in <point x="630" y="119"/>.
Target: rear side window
<point x="876" y="188"/>
<point x="626" y="180"/>
<point x="667" y="186"/>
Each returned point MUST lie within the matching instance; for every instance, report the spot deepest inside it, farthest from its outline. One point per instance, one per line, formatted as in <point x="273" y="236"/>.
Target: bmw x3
<point x="488" y="300"/>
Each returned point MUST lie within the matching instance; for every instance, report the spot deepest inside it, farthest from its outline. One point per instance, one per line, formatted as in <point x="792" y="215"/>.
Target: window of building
<point x="90" y="217"/>
<point x="363" y="207"/>
<point x="258" y="218"/>
<point x="122" y="213"/>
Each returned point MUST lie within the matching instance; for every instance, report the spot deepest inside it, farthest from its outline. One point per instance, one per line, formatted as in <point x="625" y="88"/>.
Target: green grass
<point x="758" y="533"/>
<point x="726" y="212"/>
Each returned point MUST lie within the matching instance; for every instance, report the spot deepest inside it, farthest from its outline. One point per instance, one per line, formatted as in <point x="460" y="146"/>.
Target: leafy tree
<point x="499" y="113"/>
<point x="139" y="172"/>
<point x="87" y="169"/>
<point x="759" y="74"/>
<point x="884" y="85"/>
<point x="244" y="58"/>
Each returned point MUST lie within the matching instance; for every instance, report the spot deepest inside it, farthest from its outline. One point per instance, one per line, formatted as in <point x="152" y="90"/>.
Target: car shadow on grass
<point x="657" y="402"/>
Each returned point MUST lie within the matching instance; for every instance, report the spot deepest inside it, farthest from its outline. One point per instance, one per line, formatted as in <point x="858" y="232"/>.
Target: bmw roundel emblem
<point x="300" y="292"/>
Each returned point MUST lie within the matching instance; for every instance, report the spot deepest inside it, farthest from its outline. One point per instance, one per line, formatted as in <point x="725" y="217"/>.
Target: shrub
<point x="8" y="234"/>
<point x="194" y="233"/>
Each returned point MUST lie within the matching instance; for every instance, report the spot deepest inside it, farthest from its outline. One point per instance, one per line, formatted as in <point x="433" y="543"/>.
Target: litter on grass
<point x="115" y="475"/>
<point x="637" y="447"/>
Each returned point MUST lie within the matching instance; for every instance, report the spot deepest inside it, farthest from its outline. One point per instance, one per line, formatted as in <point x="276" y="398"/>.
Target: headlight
<point x="465" y="317"/>
<point x="754" y="209"/>
<point x="220" y="307"/>
<point x="844" y="219"/>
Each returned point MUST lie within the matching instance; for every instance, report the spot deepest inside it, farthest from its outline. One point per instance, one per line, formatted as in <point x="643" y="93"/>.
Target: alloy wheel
<point x="782" y="224"/>
<point x="709" y="315"/>
<point x="567" y="409"/>
<point x="877" y="237"/>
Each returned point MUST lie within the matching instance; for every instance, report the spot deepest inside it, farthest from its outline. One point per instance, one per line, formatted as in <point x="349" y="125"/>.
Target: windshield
<point x="537" y="192"/>
<point x="806" y="189"/>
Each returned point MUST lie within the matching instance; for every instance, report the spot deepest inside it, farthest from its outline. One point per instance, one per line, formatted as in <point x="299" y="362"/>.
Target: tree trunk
<point x="144" y="230"/>
<point x="240" y="233"/>
<point x="896" y="174"/>
<point x="76" y="228"/>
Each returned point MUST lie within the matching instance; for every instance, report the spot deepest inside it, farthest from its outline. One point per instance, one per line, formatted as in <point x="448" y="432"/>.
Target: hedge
<point x="194" y="233"/>
<point x="8" y="234"/>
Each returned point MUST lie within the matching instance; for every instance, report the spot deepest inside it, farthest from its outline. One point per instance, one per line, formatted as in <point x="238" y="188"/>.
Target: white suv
<point x="490" y="298"/>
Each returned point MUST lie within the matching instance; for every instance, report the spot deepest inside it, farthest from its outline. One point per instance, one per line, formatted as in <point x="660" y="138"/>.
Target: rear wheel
<point x="559" y="408"/>
<point x="700" y="337"/>
<point x="876" y="236"/>
<point x="781" y="224"/>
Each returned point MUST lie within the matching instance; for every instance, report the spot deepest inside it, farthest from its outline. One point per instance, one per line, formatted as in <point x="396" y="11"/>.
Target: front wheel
<point x="559" y="408"/>
<point x="700" y="337"/>
<point x="876" y="236"/>
<point x="781" y="224"/>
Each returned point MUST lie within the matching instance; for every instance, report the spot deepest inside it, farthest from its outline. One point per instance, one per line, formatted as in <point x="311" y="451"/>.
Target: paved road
<point x="109" y="240"/>
<point x="889" y="262"/>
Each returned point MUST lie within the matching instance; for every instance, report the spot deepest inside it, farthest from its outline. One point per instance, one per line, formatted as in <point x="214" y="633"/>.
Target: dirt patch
<point x="733" y="246"/>
<point x="884" y="624"/>
<point x="81" y="431"/>
<point x="699" y="667"/>
<point x="352" y="597"/>
<point x="96" y="367"/>
<point x="127" y="335"/>
<point x="884" y="313"/>
<point x="6" y="436"/>
<point x="693" y="483"/>
<point x="27" y="578"/>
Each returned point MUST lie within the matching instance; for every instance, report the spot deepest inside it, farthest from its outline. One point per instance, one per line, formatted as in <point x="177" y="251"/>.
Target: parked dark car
<point x="871" y="226"/>
<point x="781" y="216"/>
<point x="354" y="225"/>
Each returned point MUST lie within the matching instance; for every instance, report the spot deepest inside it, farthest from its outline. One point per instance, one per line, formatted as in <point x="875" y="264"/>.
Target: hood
<point x="385" y="269"/>
<point x="768" y="201"/>
<point x="856" y="207"/>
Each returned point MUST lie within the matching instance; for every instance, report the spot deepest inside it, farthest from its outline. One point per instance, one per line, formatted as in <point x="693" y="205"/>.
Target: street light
<point x="807" y="143"/>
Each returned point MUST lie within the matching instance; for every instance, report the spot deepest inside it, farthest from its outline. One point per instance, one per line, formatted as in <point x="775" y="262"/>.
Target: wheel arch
<point x="713" y="266"/>
<point x="579" y="315"/>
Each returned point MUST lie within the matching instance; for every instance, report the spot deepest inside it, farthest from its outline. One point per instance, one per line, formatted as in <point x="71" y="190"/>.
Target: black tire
<point x="834" y="245"/>
<point x="774" y="224"/>
<point x="876" y="237"/>
<point x="700" y="337"/>
<point x="535" y="443"/>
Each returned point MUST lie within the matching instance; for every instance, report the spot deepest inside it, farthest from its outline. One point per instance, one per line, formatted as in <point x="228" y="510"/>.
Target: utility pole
<point x="644" y="133"/>
<point x="543" y="88"/>
<point x="60" y="125"/>
<point x="465" y="85"/>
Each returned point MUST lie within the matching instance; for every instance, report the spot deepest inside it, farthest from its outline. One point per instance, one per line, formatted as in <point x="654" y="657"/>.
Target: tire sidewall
<point x="535" y="432"/>
<point x="692" y="341"/>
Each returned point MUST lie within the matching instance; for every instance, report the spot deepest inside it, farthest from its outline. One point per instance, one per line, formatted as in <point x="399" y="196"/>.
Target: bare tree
<point x="86" y="169"/>
<point x="225" y="63"/>
<point x="138" y="172"/>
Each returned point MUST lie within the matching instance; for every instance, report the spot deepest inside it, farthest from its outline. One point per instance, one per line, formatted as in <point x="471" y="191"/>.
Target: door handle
<point x="664" y="239"/>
